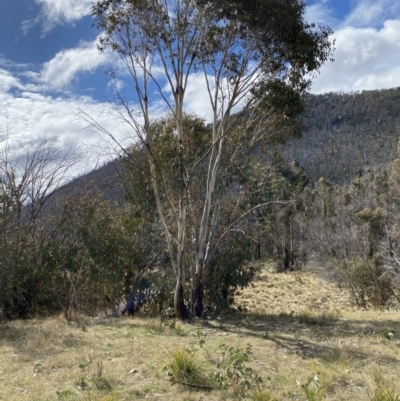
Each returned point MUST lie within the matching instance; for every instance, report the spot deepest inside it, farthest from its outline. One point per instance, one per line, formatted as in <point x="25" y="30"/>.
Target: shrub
<point x="228" y="270"/>
<point x="233" y="371"/>
<point x="367" y="282"/>
<point x="186" y="368"/>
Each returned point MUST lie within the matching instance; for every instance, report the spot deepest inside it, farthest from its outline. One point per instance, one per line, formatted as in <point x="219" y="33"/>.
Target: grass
<point x="186" y="368"/>
<point x="299" y="325"/>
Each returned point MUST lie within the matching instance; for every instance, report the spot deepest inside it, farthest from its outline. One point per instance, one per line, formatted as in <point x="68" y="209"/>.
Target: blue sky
<point x="50" y="66"/>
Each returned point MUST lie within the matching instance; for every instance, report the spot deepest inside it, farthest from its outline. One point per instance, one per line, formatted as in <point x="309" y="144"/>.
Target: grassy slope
<point x="298" y="325"/>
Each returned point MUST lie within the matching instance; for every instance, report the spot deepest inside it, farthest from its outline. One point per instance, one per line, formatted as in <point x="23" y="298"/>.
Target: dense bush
<point x="367" y="282"/>
<point x="229" y="270"/>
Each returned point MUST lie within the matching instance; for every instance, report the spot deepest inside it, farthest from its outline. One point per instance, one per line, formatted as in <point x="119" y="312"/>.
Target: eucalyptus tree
<point x="256" y="56"/>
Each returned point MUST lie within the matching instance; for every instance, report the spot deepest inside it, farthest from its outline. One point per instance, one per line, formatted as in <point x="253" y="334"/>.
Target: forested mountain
<point x="346" y="133"/>
<point x="343" y="135"/>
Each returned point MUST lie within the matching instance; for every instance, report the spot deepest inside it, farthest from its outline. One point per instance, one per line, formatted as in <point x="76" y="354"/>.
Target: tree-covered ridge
<point x="344" y="133"/>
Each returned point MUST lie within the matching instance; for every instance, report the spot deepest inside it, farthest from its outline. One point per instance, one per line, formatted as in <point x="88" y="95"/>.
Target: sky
<point x="50" y="67"/>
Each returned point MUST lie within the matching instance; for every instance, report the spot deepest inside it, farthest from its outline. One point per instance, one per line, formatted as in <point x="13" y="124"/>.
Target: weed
<point x="382" y="392"/>
<point x="81" y="383"/>
<point x="99" y="369"/>
<point x="83" y="365"/>
<point x="186" y="368"/>
<point x="64" y="394"/>
<point x="168" y="321"/>
<point x="232" y="369"/>
<point x="262" y="395"/>
<point x="388" y="334"/>
<point x="312" y="389"/>
<point x="102" y="384"/>
<point x="99" y="381"/>
<point x="196" y="344"/>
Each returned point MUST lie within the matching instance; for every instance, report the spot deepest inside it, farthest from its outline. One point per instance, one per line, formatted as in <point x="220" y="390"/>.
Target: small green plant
<point x="196" y="344"/>
<point x="262" y="395"/>
<point x="232" y="369"/>
<point x="64" y="394"/>
<point x="83" y="365"/>
<point x="81" y="383"/>
<point x="167" y="319"/>
<point x="388" y="334"/>
<point x="99" y="381"/>
<point x="312" y="389"/>
<point x="382" y="392"/>
<point x="99" y="369"/>
<point x="186" y="368"/>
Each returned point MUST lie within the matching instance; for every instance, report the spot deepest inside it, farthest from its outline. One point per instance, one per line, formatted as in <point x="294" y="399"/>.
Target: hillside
<point x="343" y="135"/>
<point x="346" y="133"/>
<point x="105" y="181"/>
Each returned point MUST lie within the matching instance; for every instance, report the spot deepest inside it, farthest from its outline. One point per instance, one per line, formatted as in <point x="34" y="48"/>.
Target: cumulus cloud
<point x="8" y="81"/>
<point x="197" y="100"/>
<point x="29" y="117"/>
<point x="33" y="115"/>
<point x="56" y="12"/>
<point x="61" y="70"/>
<point x="365" y="58"/>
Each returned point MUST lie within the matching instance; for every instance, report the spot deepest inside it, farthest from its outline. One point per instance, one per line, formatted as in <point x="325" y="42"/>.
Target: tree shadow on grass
<point x="314" y="336"/>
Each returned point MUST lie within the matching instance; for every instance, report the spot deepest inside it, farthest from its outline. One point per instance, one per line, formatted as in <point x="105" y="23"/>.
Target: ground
<point x="301" y="328"/>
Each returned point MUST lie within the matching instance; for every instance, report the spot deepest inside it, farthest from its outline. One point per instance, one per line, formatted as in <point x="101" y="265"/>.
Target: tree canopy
<point x="257" y="57"/>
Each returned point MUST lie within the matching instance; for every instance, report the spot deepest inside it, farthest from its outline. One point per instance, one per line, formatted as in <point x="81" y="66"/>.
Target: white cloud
<point x="60" y="71"/>
<point x="56" y="12"/>
<point x="8" y="81"/>
<point x="367" y="13"/>
<point x="116" y="85"/>
<point x="197" y="100"/>
<point x="320" y="13"/>
<point x="32" y="117"/>
<point x="365" y="58"/>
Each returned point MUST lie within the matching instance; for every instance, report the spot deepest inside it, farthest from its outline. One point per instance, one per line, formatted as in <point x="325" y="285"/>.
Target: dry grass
<point x="298" y="324"/>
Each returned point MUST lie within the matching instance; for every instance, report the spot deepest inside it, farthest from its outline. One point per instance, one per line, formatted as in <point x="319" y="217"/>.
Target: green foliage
<point x="197" y="344"/>
<point x="262" y="395"/>
<point x="229" y="270"/>
<point x="367" y="282"/>
<point x="388" y="334"/>
<point x="186" y="368"/>
<point x="232" y="370"/>
<point x="382" y="392"/>
<point x="312" y="389"/>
